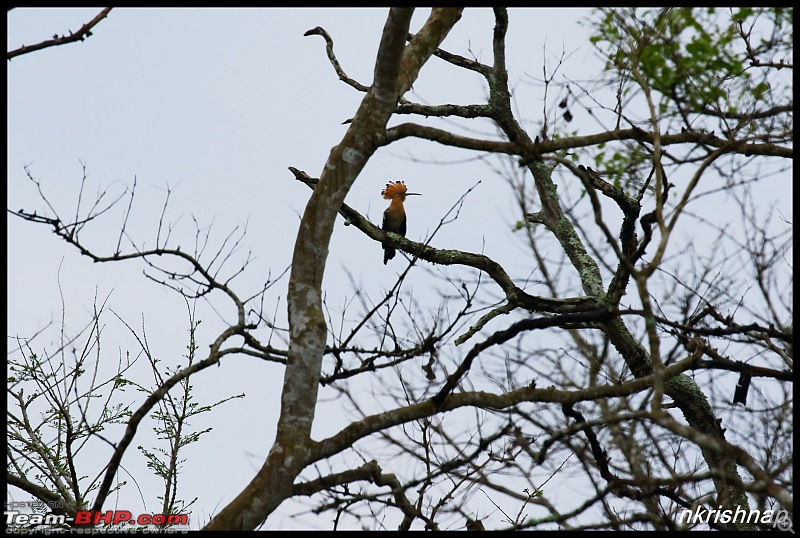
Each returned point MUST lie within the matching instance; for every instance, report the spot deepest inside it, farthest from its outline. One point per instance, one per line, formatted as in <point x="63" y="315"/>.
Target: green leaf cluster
<point x="696" y="58"/>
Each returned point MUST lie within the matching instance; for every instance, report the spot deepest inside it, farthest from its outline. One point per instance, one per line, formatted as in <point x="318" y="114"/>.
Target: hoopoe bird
<point x="394" y="218"/>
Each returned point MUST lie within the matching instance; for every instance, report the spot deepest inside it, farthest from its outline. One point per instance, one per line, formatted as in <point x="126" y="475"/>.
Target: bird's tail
<point x="388" y="253"/>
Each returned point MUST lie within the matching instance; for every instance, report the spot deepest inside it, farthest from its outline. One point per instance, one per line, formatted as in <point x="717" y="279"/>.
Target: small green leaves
<point x="760" y="89"/>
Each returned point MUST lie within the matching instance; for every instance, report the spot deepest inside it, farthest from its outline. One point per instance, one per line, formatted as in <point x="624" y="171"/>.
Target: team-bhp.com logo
<point x="86" y="517"/>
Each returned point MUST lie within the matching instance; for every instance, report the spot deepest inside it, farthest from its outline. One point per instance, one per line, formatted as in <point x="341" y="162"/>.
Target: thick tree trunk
<point x="396" y="68"/>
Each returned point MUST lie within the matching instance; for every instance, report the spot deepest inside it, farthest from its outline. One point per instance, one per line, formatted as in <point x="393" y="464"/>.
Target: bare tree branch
<point x="83" y="32"/>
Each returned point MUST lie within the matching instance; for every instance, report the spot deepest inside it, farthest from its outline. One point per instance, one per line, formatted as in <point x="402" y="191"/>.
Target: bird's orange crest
<point x="392" y="189"/>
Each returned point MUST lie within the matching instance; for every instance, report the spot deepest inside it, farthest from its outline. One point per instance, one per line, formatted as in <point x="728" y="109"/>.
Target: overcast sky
<point x="216" y="104"/>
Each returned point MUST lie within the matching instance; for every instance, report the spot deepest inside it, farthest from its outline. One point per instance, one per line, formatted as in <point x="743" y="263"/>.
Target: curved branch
<point x="53" y="501"/>
<point x="481" y="400"/>
<point x="61" y="230"/>
<point x="499" y="337"/>
<point x="447" y="138"/>
<point x="531" y="152"/>
<point x="486" y="318"/>
<point x="370" y="472"/>
<point x="459" y="61"/>
<point x="515" y="295"/>
<point x="334" y="62"/>
<point x="748" y="116"/>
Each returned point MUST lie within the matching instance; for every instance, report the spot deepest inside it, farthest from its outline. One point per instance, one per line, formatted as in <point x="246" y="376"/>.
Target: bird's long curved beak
<point x="413" y="194"/>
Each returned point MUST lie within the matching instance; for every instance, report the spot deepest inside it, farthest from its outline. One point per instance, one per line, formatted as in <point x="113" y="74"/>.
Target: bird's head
<point x="397" y="189"/>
